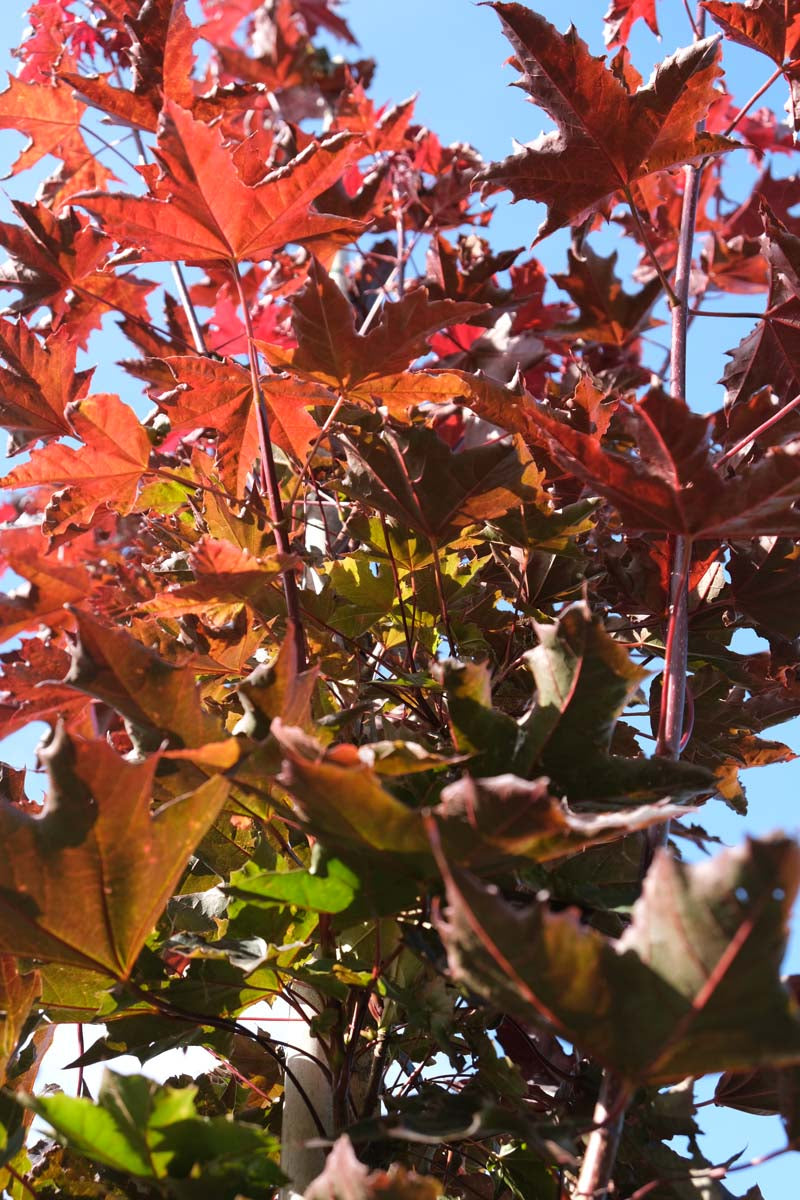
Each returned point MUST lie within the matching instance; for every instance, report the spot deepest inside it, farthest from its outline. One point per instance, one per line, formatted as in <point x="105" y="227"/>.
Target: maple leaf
<point x="74" y="849"/>
<point x="769" y="356"/>
<point x="369" y="367"/>
<point x="162" y="61"/>
<point x="59" y="260"/>
<point x="31" y="691"/>
<point x="226" y="577"/>
<point x="156" y="695"/>
<point x="52" y="29"/>
<point x="39" y="381"/>
<point x="320" y="13"/>
<point x="18" y="992"/>
<point x="219" y="395"/>
<point x="607" y="313"/>
<point x="51" y="585"/>
<point x="769" y="26"/>
<point x="202" y="211"/>
<point x="686" y="1010"/>
<point x="48" y="114"/>
<point x="663" y="478"/>
<point x="622" y="15"/>
<point x="608" y="138"/>
<point x="413" y="476"/>
<point x="329" y="346"/>
<point x="339" y="794"/>
<point x="107" y="471"/>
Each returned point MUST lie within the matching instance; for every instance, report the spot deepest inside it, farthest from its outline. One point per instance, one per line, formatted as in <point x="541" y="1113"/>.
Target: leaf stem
<point x="269" y="482"/>
<point x="672" y="299"/>
<point x="774" y="77"/>
<point x="757" y="432"/>
<point x="437" y="574"/>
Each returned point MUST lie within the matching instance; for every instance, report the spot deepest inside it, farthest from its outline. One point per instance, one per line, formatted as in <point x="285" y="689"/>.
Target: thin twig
<point x="269" y="481"/>
<point x="189" y="310"/>
<point x="757" y="94"/>
<point x="21" y="1180"/>
<point x="437" y="574"/>
<point x="173" y="1011"/>
<point x="757" y="432"/>
<point x="651" y="254"/>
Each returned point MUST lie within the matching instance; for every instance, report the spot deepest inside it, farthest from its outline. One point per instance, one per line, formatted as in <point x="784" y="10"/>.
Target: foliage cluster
<point x="343" y="634"/>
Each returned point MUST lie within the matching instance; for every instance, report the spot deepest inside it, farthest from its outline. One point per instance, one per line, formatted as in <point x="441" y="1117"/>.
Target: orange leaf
<point x="38" y="383"/>
<point x="107" y="471"/>
<point x="202" y="211"/>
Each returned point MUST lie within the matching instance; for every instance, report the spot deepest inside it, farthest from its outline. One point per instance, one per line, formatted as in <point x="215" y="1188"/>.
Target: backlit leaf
<point x="609" y="138"/>
<point x="75" y="848"/>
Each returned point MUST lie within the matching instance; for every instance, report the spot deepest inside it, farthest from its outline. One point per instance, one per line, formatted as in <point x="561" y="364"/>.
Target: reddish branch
<point x="270" y="483"/>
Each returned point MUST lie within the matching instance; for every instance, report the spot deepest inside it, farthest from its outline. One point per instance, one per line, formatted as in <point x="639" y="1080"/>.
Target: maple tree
<point x="383" y="618"/>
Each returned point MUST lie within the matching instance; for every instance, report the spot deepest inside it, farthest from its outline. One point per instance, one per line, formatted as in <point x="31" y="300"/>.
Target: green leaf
<point x="493" y="739"/>
<point x="584" y="680"/>
<point x="154" y="1132"/>
<point x="691" y="987"/>
<point x="330" y="892"/>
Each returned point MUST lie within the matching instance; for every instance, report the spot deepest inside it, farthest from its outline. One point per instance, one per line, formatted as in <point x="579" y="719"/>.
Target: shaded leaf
<point x="155" y="694"/>
<point x="606" y="312"/>
<point x="653" y="1006"/>
<point x="410" y="474"/>
<point x="662" y="478"/>
<point x="18" y="992"/>
<point x="75" y="849"/>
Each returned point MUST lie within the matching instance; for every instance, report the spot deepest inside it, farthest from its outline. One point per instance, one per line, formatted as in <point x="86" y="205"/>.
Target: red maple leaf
<point x="107" y="471"/>
<point x="38" y="382"/>
<point x="769" y="26"/>
<point x="661" y="477"/>
<point x="609" y="136"/>
<point x="60" y="261"/>
<point x="201" y="392"/>
<point x="621" y="16"/>
<point x="162" y="58"/>
<point x="371" y="366"/>
<point x="200" y="209"/>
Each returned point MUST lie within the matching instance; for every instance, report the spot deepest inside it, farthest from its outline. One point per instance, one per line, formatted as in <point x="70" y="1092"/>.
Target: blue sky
<point x="451" y="52"/>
